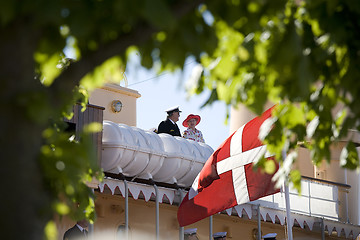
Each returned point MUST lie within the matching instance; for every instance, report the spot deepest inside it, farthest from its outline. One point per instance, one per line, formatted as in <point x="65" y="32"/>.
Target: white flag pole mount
<point x="287" y="203"/>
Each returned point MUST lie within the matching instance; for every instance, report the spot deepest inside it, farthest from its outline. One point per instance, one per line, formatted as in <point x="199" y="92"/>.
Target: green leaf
<point x="93" y="127"/>
<point x="62" y="208"/>
<point x="111" y="71"/>
<point x="295" y="178"/>
<point x="349" y="157"/>
<point x="158" y="13"/>
<point x="270" y="166"/>
<point x="50" y="67"/>
<point x="7" y="12"/>
<point x="292" y="116"/>
<point x="51" y="231"/>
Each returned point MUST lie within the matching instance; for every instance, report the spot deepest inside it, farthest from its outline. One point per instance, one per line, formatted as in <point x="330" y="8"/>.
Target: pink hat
<point x="191" y="116"/>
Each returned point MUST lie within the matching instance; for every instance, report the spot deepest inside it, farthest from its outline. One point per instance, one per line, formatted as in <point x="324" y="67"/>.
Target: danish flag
<point x="228" y="178"/>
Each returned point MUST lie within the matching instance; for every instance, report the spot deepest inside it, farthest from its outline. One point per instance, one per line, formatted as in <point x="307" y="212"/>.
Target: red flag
<point x="227" y="178"/>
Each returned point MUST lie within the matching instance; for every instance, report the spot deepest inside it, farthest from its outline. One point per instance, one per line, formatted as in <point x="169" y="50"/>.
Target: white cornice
<point x="117" y="88"/>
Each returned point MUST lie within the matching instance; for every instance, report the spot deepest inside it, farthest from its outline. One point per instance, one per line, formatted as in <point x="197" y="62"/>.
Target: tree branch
<point x="71" y="76"/>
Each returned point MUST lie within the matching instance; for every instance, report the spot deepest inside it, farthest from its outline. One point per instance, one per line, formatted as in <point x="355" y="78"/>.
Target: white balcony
<point x="137" y="153"/>
<point x="318" y="199"/>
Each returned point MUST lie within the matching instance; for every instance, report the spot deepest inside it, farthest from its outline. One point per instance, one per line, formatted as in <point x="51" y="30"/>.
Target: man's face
<point x="83" y="223"/>
<point x="175" y="116"/>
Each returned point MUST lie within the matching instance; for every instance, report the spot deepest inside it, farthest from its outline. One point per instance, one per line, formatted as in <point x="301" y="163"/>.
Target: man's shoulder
<point x="165" y="122"/>
<point x="71" y="231"/>
<point x="73" y="228"/>
<point x="165" y="126"/>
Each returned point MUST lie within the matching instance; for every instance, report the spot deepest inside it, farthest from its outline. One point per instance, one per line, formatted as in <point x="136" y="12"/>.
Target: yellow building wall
<point x="111" y="214"/>
<point x="104" y="97"/>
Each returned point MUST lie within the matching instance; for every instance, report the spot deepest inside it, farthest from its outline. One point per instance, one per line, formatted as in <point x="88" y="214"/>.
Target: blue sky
<point x="159" y="92"/>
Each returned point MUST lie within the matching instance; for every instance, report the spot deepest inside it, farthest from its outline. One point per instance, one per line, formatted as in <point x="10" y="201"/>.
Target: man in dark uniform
<point x="78" y="231"/>
<point x="169" y="126"/>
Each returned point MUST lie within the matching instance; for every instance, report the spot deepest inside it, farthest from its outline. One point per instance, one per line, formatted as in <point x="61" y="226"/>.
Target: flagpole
<point x="288" y="218"/>
<point x="287" y="202"/>
<point x="259" y="223"/>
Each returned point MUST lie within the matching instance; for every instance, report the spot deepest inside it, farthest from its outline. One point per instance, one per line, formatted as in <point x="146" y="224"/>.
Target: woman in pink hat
<point x="191" y="132"/>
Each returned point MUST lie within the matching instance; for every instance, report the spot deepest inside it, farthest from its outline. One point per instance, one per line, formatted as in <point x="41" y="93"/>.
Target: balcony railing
<point x="318" y="198"/>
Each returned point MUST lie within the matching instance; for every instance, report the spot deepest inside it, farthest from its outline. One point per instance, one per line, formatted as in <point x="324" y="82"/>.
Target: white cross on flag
<point x="227" y="178"/>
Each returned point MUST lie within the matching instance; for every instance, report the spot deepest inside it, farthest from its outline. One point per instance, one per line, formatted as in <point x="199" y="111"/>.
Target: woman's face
<point x="192" y="123"/>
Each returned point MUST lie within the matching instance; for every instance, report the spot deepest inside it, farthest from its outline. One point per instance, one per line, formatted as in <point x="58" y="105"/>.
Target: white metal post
<point x="259" y="223"/>
<point x="322" y="229"/>
<point x="157" y="211"/>
<point x="288" y="213"/>
<point x="287" y="203"/>
<point x="126" y="210"/>
<point x="210" y="227"/>
<point x="346" y="199"/>
<point x="181" y="229"/>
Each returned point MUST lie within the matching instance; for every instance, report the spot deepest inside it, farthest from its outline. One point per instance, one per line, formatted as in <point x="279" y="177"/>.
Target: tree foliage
<point x="301" y="54"/>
